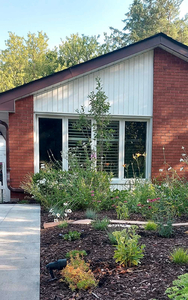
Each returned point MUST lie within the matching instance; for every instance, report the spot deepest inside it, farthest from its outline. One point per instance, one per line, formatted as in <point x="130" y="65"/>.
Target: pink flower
<point x="92" y="191"/>
<point x="92" y="195"/>
<point x="149" y="207"/>
<point x="99" y="201"/>
<point x="125" y="201"/>
<point x="113" y="205"/>
<point x="139" y="204"/>
<point x="117" y="197"/>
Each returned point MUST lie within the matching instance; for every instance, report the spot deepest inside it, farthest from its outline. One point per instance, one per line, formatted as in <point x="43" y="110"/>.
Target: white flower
<point x="58" y="215"/>
<point x="42" y="166"/>
<point x="183" y="154"/>
<point x="160" y="170"/>
<point x="181" y="159"/>
<point x="181" y="169"/>
<point x="43" y="181"/>
<point x="65" y="215"/>
<point x="51" y="210"/>
<point x="68" y="211"/>
<point x="56" y="220"/>
<point x="182" y="147"/>
<point x="169" y="168"/>
<point x="65" y="203"/>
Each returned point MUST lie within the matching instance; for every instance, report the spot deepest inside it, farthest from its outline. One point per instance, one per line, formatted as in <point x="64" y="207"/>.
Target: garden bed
<point x="147" y="281"/>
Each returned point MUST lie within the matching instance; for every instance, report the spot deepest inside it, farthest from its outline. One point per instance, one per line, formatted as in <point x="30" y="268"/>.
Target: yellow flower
<point x="138" y="154"/>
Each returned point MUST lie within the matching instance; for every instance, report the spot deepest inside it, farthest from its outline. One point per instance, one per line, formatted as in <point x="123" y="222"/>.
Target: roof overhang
<point x="7" y="99"/>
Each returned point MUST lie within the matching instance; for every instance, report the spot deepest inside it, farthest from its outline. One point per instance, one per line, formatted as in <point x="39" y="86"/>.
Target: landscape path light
<point x="56" y="265"/>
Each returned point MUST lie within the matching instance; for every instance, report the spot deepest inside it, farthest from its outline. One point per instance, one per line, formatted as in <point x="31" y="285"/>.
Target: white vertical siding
<point x="128" y="86"/>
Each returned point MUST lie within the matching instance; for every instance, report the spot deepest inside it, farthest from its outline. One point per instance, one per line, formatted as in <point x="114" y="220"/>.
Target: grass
<point x="179" y="256"/>
<point x="151" y="226"/>
<point x="91" y="214"/>
<point x="64" y="224"/>
<point x="100" y="224"/>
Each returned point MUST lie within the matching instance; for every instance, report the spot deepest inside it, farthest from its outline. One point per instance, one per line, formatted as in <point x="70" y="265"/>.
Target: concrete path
<point x="19" y="252"/>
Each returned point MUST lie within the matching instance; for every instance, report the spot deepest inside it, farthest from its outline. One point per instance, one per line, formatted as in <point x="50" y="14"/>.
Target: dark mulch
<point x="147" y="281"/>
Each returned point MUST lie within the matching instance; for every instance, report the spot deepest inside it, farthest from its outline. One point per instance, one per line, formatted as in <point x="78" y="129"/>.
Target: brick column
<point x="21" y="141"/>
<point x="170" y="110"/>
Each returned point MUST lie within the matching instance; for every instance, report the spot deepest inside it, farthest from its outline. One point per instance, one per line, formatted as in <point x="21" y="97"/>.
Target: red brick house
<point x="147" y="87"/>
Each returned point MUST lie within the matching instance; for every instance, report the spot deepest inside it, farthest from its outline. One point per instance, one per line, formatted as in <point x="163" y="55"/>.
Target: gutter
<point x="12" y="189"/>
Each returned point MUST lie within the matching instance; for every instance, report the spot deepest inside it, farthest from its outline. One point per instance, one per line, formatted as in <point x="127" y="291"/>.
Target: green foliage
<point x="25" y="60"/>
<point x="64" y="224"/>
<point x="179" y="291"/>
<point x="73" y="253"/>
<point x="100" y="224"/>
<point x="79" y="188"/>
<point x="179" y="256"/>
<point x="165" y="229"/>
<point x="112" y="238"/>
<point x="78" y="275"/>
<point x="128" y="252"/>
<point x="122" y="211"/>
<point x="99" y="111"/>
<point x="72" y="236"/>
<point x="91" y="214"/>
<point x="146" y="18"/>
<point x="151" y="226"/>
<point x="78" y="49"/>
<point x="164" y="219"/>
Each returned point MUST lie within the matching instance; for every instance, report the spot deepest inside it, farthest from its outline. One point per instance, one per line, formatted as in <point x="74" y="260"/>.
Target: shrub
<point x="91" y="214"/>
<point x="72" y="236"/>
<point x="128" y="252"/>
<point x="179" y="291"/>
<point x="73" y="253"/>
<point x="80" y="187"/>
<point x="179" y="256"/>
<point x="64" y="224"/>
<point x="101" y="224"/>
<point x="165" y="229"/>
<point x="112" y="238"/>
<point x="122" y="211"/>
<point x="78" y="275"/>
<point x="150" y="226"/>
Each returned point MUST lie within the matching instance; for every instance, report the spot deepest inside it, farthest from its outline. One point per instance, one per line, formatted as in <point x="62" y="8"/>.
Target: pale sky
<point x="60" y="18"/>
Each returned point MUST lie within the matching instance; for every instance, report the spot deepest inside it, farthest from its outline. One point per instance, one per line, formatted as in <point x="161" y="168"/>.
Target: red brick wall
<point x="170" y="110"/>
<point x="21" y="141"/>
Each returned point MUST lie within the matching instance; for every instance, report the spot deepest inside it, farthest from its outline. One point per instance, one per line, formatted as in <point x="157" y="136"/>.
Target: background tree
<point x="29" y="59"/>
<point x="25" y="60"/>
<point x="149" y="17"/>
<point x="77" y="49"/>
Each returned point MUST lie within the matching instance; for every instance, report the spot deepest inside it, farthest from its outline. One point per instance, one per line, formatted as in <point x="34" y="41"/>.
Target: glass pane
<point x="108" y="161"/>
<point x="50" y="139"/>
<point x="1" y="173"/>
<point x="135" y="149"/>
<point x="78" y="141"/>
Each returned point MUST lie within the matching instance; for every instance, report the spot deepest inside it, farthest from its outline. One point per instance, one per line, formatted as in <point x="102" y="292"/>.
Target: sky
<point x="61" y="18"/>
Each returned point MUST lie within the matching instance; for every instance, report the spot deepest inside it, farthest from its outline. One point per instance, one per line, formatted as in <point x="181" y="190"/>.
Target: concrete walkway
<point x="19" y="252"/>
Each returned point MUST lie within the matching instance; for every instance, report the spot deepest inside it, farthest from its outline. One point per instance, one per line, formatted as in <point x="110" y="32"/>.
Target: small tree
<point x="99" y="114"/>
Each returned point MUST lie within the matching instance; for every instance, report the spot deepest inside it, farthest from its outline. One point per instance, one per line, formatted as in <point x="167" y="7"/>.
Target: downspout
<point x="12" y="189"/>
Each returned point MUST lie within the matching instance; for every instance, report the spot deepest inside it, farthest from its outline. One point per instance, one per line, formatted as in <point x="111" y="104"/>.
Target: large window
<point x="135" y="149"/>
<point x="79" y="139"/>
<point x="124" y="155"/>
<point x="109" y="156"/>
<point x="50" y="139"/>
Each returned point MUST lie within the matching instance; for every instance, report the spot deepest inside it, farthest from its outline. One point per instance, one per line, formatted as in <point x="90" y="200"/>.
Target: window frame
<point x="121" y="119"/>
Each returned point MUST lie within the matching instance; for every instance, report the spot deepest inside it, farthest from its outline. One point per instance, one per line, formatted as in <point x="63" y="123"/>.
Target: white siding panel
<point x="128" y="85"/>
